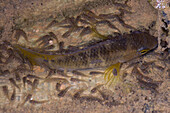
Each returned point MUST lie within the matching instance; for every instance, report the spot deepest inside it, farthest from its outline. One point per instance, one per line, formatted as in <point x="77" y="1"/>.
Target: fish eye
<point x="144" y="51"/>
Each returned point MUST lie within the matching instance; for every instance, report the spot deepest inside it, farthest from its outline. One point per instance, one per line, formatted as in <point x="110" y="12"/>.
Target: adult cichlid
<point x="108" y="53"/>
<point x="104" y="53"/>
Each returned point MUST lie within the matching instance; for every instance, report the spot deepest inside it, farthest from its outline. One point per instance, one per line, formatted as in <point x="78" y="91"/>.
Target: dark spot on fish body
<point x="66" y="60"/>
<point x="103" y="51"/>
<point x="73" y="58"/>
<point x="83" y="58"/>
<point x="17" y="77"/>
<point x="63" y="92"/>
<point x="52" y="60"/>
<point x="45" y="60"/>
<point x="114" y="72"/>
<point x="94" y="53"/>
<point x="59" y="61"/>
<point x="97" y="61"/>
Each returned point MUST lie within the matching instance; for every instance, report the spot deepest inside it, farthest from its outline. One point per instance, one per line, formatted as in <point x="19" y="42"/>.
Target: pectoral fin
<point x="112" y="75"/>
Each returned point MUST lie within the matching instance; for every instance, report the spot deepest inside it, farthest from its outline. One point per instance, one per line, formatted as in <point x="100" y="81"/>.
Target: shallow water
<point x="144" y="84"/>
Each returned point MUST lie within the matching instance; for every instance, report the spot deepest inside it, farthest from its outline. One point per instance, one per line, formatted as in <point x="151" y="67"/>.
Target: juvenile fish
<point x="96" y="88"/>
<point x="13" y="95"/>
<point x="56" y="80"/>
<point x="79" y="73"/>
<point x="29" y="82"/>
<point x="33" y="76"/>
<point x="17" y="77"/>
<point x="28" y="97"/>
<point x="14" y="83"/>
<point x="64" y="91"/>
<point x="6" y="91"/>
<point x="77" y="80"/>
<point x="24" y="79"/>
<point x="35" y="84"/>
<point x="58" y="85"/>
<point x="38" y="102"/>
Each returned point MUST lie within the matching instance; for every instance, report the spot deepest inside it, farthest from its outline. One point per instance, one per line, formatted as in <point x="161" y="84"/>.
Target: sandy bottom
<point x="144" y="84"/>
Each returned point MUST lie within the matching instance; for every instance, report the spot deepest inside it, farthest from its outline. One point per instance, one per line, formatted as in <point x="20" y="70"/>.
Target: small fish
<point x="54" y="79"/>
<point x="51" y="72"/>
<point x="17" y="77"/>
<point x="66" y="26"/>
<point x="96" y="73"/>
<point x="79" y="73"/>
<point x="5" y="73"/>
<point x="13" y="95"/>
<point x="139" y="75"/>
<point x="61" y="45"/>
<point x="49" y="47"/>
<point x="43" y="40"/>
<point x="24" y="79"/>
<point x="29" y="82"/>
<point x="90" y="98"/>
<point x="64" y="91"/>
<point x="18" y="33"/>
<point x="96" y="88"/>
<point x="148" y="85"/>
<point x="84" y="21"/>
<point x="9" y="59"/>
<point x="87" y="30"/>
<point x="89" y="18"/>
<point x="58" y="85"/>
<point x="14" y="83"/>
<point x="61" y="72"/>
<point x="78" y="93"/>
<point x="38" y="102"/>
<point x="53" y="23"/>
<point x="109" y="24"/>
<point x="104" y="96"/>
<point x="77" y="80"/>
<point x="6" y="91"/>
<point x="28" y="97"/>
<point x="35" y="84"/>
<point x="67" y="33"/>
<point x="33" y="76"/>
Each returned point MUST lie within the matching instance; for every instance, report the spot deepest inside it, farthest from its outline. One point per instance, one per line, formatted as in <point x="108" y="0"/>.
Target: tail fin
<point x="35" y="58"/>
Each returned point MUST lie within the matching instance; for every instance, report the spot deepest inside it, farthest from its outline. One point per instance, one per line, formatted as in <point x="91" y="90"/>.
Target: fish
<point x="58" y="85"/>
<point x="29" y="82"/>
<point x="24" y="79"/>
<point x="35" y="84"/>
<point x="94" y="90"/>
<point x="96" y="73"/>
<point x="38" y="102"/>
<point x="33" y="76"/>
<point x="64" y="91"/>
<point x="13" y="96"/>
<point x="14" y="83"/>
<point x="5" y="91"/>
<point x="78" y="93"/>
<point x="77" y="80"/>
<point x="56" y="79"/>
<point x="91" y="99"/>
<point x="17" y="77"/>
<point x="28" y="97"/>
<point x="75" y="72"/>
<point x="107" y="53"/>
